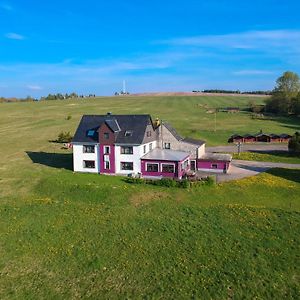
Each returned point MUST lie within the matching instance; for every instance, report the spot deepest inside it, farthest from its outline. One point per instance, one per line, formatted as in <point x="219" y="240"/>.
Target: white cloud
<point x="267" y="40"/>
<point x="34" y="87"/>
<point x="14" y="36"/>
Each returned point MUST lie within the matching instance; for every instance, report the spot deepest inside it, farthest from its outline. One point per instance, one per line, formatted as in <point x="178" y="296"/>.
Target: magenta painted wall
<point x="202" y="164"/>
<point x="178" y="170"/>
<point x="112" y="169"/>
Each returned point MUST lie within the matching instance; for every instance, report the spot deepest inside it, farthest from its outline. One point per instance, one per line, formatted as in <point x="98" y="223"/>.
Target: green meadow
<point x="65" y="235"/>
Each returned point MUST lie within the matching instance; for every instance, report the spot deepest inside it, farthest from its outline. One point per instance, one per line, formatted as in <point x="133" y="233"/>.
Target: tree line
<point x="57" y="96"/>
<point x="60" y="96"/>
<point x="218" y="91"/>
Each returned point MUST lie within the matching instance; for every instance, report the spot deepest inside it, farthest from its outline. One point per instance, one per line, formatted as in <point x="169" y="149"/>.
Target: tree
<point x="294" y="143"/>
<point x="288" y="84"/>
<point x="296" y="105"/>
<point x="287" y="88"/>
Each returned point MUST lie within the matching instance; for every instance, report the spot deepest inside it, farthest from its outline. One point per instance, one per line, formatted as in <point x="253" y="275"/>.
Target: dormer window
<point x="128" y="133"/>
<point x="90" y="133"/>
<point x="167" y="146"/>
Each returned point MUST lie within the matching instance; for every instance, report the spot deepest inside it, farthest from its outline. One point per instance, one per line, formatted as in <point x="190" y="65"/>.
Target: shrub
<point x="135" y="180"/>
<point x="167" y="182"/>
<point x="64" y="137"/>
<point x="294" y="143"/>
<point x="69" y="117"/>
<point x="184" y="183"/>
<point x="210" y="180"/>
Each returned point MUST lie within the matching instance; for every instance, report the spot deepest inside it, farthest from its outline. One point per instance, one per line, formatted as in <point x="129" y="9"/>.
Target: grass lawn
<point x="68" y="235"/>
<point x="274" y="156"/>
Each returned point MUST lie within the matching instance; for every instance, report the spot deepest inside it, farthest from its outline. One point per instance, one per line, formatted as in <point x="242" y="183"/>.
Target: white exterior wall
<point x="138" y="152"/>
<point x="79" y="157"/>
<point x="201" y="151"/>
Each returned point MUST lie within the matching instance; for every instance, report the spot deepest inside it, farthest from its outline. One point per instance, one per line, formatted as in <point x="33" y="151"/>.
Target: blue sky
<point x="91" y="46"/>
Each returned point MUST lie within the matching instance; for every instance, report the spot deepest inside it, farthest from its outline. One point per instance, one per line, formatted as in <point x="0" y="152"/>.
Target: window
<point x="126" y="150"/>
<point x="150" y="146"/>
<point x="167" y="146"/>
<point x="148" y="133"/>
<point x="193" y="165"/>
<point x="214" y="166"/>
<point x="168" y="168"/>
<point x="106" y="165"/>
<point x="106" y="135"/>
<point x="128" y="133"/>
<point x="90" y="133"/>
<point x="89" y="164"/>
<point x="127" y="166"/>
<point x="185" y="165"/>
<point x="106" y="149"/>
<point x="152" y="167"/>
<point x="145" y="148"/>
<point x="88" y="149"/>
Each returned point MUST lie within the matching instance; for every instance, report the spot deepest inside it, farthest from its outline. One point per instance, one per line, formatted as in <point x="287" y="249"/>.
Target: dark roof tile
<point x="193" y="141"/>
<point x="118" y="123"/>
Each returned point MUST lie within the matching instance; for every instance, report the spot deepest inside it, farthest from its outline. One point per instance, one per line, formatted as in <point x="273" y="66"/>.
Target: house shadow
<point x="53" y="160"/>
<point x="279" y="153"/>
<point x="288" y="174"/>
<point x="294" y="127"/>
<point x="291" y="122"/>
<point x="251" y="168"/>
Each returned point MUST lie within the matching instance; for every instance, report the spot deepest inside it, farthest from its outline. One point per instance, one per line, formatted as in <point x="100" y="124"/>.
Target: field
<point x="274" y="156"/>
<point x="67" y="235"/>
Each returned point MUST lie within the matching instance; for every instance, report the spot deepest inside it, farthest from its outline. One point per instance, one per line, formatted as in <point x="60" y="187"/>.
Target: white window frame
<point x="126" y="162"/>
<point x="185" y="162"/>
<point x="105" y="167"/>
<point x="106" y="147"/>
<point x="150" y="147"/>
<point x="165" y="145"/>
<point x="148" y="163"/>
<point x="128" y="133"/>
<point x="87" y="146"/>
<point x="145" y="149"/>
<point x="169" y="164"/>
<point x="84" y="166"/>
<point x="123" y="147"/>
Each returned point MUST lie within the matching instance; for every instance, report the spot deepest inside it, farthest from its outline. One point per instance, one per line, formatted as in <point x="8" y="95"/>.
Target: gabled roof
<point x="284" y="135"/>
<point x="273" y="135"/>
<point x="137" y="124"/>
<point x="216" y="157"/>
<point x="262" y="134"/>
<point x="113" y="125"/>
<point x="193" y="141"/>
<point x="164" y="154"/>
<point x="179" y="138"/>
<point x="173" y="131"/>
<point x="236" y="136"/>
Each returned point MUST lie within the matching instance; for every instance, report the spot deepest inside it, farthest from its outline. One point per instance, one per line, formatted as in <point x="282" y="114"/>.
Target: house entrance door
<point x="193" y="165"/>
